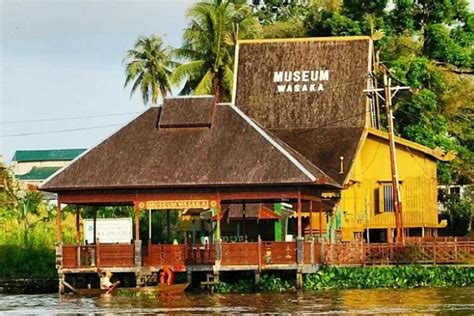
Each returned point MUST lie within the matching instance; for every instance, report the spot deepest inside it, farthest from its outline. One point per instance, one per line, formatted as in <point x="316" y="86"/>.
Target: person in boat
<point x="166" y="276"/>
<point x="105" y="282"/>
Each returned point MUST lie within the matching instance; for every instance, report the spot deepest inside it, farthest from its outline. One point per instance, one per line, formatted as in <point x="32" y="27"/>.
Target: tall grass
<point x="31" y="258"/>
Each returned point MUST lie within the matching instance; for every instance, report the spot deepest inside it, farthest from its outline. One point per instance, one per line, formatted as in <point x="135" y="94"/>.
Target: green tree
<point x="271" y="11"/>
<point x="148" y="66"/>
<point x="428" y="45"/>
<point x="209" y="44"/>
<point x="461" y="214"/>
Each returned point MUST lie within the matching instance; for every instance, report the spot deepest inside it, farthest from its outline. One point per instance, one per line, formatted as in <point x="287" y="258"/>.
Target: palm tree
<point x="209" y="43"/>
<point x="149" y="65"/>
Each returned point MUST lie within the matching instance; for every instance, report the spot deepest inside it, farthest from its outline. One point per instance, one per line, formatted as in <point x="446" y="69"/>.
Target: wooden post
<point x="95" y="225"/>
<point x="78" y="225"/>
<point x="300" y="226"/>
<point x="168" y="233"/>
<point x="321" y="220"/>
<point x="58" y="223"/>
<point x="137" y="221"/>
<point x="218" y="241"/>
<point x="78" y="236"/>
<point x="244" y="222"/>
<point x="97" y="254"/>
<point x="149" y="226"/>
<point x="259" y="248"/>
<point x="397" y="203"/>
<point x="218" y="223"/>
<point x="311" y="218"/>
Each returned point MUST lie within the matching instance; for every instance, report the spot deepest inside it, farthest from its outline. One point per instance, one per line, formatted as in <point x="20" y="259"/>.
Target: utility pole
<point x="397" y="201"/>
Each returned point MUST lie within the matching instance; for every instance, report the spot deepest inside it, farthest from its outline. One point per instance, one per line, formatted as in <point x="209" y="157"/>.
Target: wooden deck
<point x="262" y="255"/>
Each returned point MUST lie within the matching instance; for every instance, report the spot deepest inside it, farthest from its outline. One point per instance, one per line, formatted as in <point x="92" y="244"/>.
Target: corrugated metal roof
<point x="47" y="155"/>
<point x="38" y="173"/>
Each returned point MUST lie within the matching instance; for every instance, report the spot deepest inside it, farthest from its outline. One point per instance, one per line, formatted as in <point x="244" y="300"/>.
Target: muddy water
<point x="453" y="301"/>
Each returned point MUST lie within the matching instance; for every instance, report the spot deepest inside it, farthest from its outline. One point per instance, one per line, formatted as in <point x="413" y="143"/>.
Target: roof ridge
<point x="409" y="143"/>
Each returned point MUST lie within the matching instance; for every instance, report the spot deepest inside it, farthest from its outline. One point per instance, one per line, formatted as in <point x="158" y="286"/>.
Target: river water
<point x="423" y="301"/>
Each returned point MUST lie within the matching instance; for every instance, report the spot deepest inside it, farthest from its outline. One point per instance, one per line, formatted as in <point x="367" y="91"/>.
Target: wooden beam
<point x="310" y="198"/>
<point x="311" y="218"/>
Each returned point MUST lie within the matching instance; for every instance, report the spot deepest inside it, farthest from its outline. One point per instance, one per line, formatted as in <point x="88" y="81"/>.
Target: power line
<point x="66" y="118"/>
<point x="60" y="131"/>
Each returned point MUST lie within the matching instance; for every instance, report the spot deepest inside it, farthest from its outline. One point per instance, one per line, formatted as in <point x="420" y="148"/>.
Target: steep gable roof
<point x="229" y="152"/>
<point x="47" y="155"/>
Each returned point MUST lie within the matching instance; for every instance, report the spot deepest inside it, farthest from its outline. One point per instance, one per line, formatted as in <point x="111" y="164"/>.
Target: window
<point x="386" y="198"/>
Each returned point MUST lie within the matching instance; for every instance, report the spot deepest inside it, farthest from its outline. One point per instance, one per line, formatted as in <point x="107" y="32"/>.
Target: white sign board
<point x="109" y="230"/>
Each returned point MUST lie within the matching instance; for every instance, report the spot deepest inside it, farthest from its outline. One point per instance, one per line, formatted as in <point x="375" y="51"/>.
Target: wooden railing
<point x="279" y="253"/>
<point x="240" y="253"/>
<point x="461" y="252"/>
<point x="109" y="255"/>
<point x="266" y="254"/>
<point x="98" y="256"/>
<point x="166" y="255"/>
<point x="201" y="254"/>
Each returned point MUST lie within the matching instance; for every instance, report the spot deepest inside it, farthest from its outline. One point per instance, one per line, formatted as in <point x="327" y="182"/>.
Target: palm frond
<point x="205" y="85"/>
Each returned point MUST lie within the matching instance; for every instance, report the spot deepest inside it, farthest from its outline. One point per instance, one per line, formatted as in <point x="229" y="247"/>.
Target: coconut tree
<point x="148" y="66"/>
<point x="207" y="54"/>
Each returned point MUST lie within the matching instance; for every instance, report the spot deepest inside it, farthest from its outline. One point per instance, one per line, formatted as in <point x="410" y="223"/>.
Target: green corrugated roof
<point x="38" y="173"/>
<point x="46" y="155"/>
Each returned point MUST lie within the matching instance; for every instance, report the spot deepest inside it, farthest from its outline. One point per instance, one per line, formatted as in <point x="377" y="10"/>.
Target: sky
<point x="62" y="61"/>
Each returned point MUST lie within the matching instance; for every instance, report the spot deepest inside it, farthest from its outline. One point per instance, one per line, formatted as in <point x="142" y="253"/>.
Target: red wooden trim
<point x="129" y="197"/>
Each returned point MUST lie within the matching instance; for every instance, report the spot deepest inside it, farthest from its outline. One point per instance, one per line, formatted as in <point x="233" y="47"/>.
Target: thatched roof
<point x="232" y="150"/>
<point x="341" y="65"/>
<point x="324" y="147"/>
<point x="323" y="126"/>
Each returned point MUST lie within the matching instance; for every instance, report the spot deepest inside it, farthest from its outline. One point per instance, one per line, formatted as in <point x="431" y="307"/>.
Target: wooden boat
<point x="160" y="289"/>
<point x="93" y="292"/>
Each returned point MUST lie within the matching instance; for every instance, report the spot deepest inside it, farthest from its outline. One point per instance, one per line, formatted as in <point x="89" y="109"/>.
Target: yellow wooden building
<point x="366" y="201"/>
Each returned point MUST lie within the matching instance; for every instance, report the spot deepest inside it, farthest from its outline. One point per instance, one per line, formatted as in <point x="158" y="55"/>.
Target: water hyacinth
<point x="389" y="277"/>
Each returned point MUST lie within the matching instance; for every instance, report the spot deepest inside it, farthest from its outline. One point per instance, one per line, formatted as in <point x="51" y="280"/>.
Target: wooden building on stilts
<point x="255" y="184"/>
<point x="199" y="157"/>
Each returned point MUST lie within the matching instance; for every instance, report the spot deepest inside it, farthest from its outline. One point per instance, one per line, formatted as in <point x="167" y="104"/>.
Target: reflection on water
<point x="455" y="301"/>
